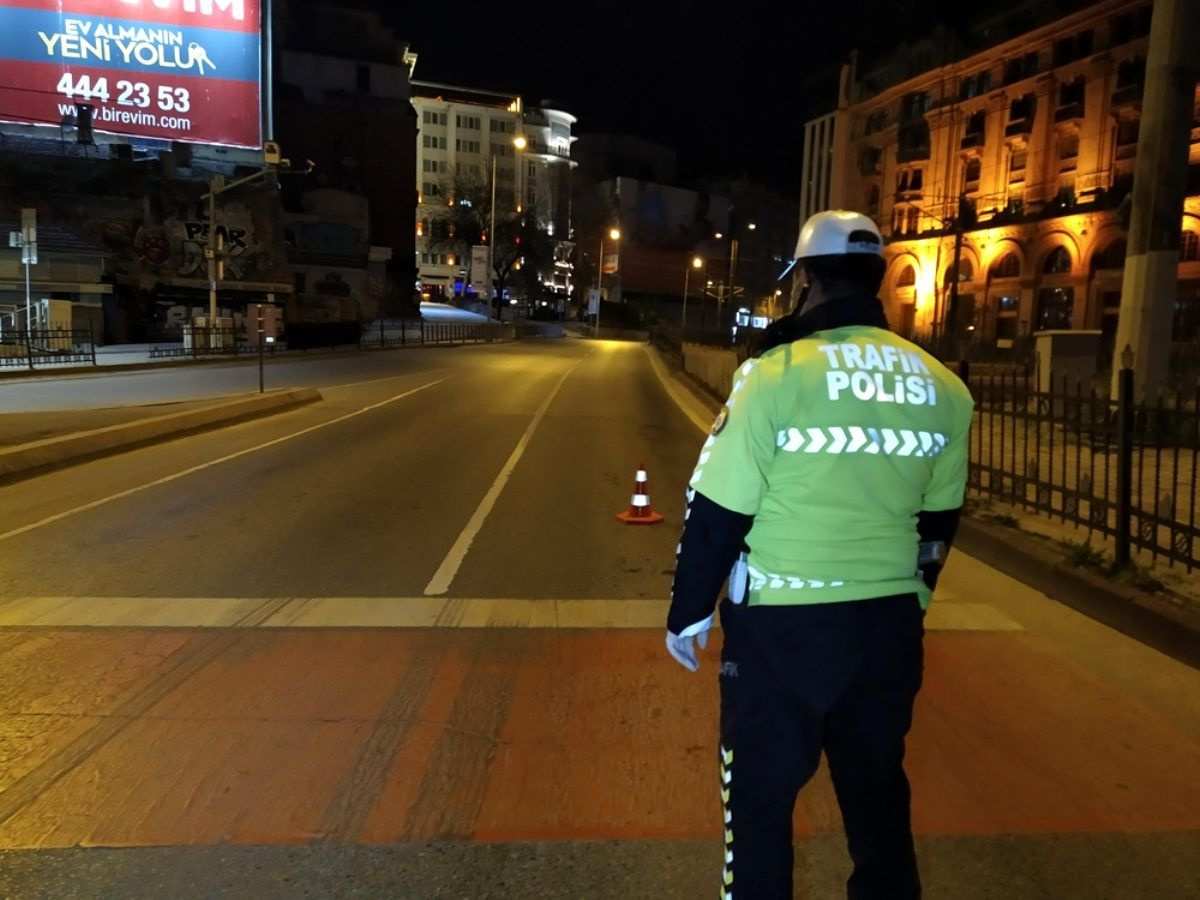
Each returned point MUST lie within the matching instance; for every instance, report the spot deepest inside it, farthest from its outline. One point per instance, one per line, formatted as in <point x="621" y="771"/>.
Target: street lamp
<point x="697" y="262"/>
<point x="615" y="234"/>
<point x="519" y="143"/>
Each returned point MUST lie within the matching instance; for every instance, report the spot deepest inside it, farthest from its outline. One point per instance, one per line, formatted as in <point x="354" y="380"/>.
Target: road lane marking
<point x="58" y="517"/>
<point x="440" y="583"/>
<point x="397" y="612"/>
<point x="686" y="403"/>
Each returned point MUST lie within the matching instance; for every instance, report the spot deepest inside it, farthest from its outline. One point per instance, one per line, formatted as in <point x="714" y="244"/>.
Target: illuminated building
<point x="462" y="130"/>
<point x="1035" y="136"/>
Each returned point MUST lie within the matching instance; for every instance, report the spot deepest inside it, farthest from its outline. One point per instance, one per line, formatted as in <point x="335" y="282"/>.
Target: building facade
<point x="473" y="145"/>
<point x="1027" y="146"/>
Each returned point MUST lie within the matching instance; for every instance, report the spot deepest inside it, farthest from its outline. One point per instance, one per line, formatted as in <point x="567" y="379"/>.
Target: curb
<point x="1154" y="619"/>
<point x="25" y="460"/>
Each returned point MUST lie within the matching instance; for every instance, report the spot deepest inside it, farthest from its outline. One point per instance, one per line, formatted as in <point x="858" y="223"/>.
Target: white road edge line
<point x="687" y="405"/>
<point x="440" y="583"/>
<point x="58" y="517"/>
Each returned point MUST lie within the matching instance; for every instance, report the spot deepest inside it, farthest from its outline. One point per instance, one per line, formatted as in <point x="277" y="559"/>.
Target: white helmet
<point x="837" y="232"/>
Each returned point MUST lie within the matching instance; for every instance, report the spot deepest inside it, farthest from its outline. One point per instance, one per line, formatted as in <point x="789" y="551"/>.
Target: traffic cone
<point x="640" y="511"/>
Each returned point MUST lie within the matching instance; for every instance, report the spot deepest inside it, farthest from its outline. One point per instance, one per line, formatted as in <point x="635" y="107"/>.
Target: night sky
<point x="723" y="88"/>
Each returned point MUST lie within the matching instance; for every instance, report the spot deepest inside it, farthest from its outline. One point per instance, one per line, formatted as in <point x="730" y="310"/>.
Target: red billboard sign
<point x="181" y="70"/>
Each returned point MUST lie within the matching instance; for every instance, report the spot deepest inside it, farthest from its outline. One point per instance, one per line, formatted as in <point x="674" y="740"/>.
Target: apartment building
<point x="467" y="137"/>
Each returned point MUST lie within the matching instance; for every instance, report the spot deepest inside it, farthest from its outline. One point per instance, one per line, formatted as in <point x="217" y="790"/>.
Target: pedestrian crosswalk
<point x="396" y="612"/>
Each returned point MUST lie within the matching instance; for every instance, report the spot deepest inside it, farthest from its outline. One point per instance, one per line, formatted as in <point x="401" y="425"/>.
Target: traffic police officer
<point x="829" y="492"/>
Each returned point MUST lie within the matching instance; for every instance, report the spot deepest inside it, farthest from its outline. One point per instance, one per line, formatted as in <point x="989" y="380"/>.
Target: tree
<point x="522" y="243"/>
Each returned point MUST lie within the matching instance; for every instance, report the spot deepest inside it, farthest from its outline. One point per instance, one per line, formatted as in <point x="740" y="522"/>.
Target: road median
<point x="35" y="457"/>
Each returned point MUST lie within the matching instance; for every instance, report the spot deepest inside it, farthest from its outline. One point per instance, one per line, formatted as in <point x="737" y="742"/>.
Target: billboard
<point x="180" y="70"/>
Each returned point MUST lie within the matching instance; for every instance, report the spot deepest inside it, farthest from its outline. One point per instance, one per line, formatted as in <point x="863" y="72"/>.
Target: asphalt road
<point x="396" y="644"/>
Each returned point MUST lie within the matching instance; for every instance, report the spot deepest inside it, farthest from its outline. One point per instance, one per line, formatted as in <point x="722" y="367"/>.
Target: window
<point x="1021" y="109"/>
<point x="915" y="105"/>
<point x="1131" y="72"/>
<point x="433" y="165"/>
<point x="971" y="174"/>
<point x="1007" y="266"/>
<point x="1189" y="247"/>
<point x="877" y="121"/>
<point x="908" y="277"/>
<point x="1055" y="306"/>
<point x="1078" y="46"/>
<point x="1016" y="164"/>
<point x="1068" y="151"/>
<point x="1111" y="257"/>
<point x="433" y="142"/>
<point x="501" y="126"/>
<point x="1071" y="93"/>
<point x="1127" y="132"/>
<point x="976" y="129"/>
<point x="502" y="149"/>
<point x="431" y="189"/>
<point x="470" y="123"/>
<point x="917" y="181"/>
<point x="362" y="79"/>
<point x="1132" y="25"/>
<point x="1058" y="262"/>
<point x="463" y="146"/>
<point x="429" y="117"/>
<point x="975" y="85"/>
<point x="914" y="221"/>
<point x="873" y="201"/>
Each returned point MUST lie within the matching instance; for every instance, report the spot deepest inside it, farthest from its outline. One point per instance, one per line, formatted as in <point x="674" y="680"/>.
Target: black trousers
<point x="796" y="680"/>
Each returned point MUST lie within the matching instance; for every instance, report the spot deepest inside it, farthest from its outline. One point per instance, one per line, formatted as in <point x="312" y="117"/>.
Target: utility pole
<point x="952" y="308"/>
<point x="1159" y="188"/>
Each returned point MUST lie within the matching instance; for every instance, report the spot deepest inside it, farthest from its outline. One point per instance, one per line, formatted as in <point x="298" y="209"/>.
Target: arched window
<point x="1111" y="257"/>
<point x="1007" y="266"/>
<point x="1058" y="262"/>
<point x="1189" y="247"/>
<point x="908" y="277"/>
<point x="966" y="272"/>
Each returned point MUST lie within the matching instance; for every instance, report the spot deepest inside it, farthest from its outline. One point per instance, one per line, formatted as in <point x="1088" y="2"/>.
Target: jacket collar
<point x="858" y="309"/>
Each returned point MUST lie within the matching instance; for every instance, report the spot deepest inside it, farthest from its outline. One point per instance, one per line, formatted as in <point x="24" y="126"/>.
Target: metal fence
<point x="1124" y="469"/>
<point x="59" y="346"/>
<point x="418" y="332"/>
<point x="197" y="342"/>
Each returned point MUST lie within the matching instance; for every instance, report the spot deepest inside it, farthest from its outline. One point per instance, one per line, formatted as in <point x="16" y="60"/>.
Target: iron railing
<point x="56" y="346"/>
<point x="1124" y="469"/>
<point x="418" y="332"/>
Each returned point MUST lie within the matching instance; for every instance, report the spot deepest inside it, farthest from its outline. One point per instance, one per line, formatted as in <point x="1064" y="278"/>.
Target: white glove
<point x="738" y="576"/>
<point x="680" y="645"/>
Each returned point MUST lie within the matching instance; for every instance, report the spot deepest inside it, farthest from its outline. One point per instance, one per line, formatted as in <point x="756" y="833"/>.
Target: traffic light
<point x="83" y="123"/>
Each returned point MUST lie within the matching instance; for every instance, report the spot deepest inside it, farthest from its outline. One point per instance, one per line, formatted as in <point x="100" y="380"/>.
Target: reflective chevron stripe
<point x="760" y="580"/>
<point x="857" y="439"/>
<point x="726" y="780"/>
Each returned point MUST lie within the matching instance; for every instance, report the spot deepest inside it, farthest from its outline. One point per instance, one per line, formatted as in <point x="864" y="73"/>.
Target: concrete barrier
<point x="37" y="456"/>
<point x="711" y="366"/>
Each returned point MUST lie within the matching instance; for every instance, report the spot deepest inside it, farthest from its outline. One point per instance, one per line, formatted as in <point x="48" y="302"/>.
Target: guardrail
<point x="55" y="346"/>
<point x="418" y="333"/>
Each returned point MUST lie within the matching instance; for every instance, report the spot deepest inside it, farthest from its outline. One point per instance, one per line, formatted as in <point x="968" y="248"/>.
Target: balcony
<point x="912" y="153"/>
<point x="1018" y="127"/>
<point x="971" y="140"/>
<point x="1068" y="112"/>
<point x="1129" y="95"/>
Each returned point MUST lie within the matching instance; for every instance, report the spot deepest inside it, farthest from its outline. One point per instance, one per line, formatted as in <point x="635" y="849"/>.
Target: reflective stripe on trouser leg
<point x="726" y="788"/>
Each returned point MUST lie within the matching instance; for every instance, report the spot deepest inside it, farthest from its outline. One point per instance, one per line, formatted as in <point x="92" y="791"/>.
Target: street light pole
<point x="697" y="262"/>
<point x="615" y="234"/>
<point x="492" y="244"/>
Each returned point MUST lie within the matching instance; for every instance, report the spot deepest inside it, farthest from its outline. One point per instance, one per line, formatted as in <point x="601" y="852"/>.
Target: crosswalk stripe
<point x="397" y="612"/>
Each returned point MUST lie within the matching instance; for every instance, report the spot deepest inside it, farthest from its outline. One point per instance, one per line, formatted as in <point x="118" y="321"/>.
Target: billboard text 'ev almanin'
<point x="181" y="70"/>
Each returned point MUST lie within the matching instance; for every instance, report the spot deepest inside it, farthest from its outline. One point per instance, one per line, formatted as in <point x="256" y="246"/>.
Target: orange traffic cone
<point x="640" y="511"/>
